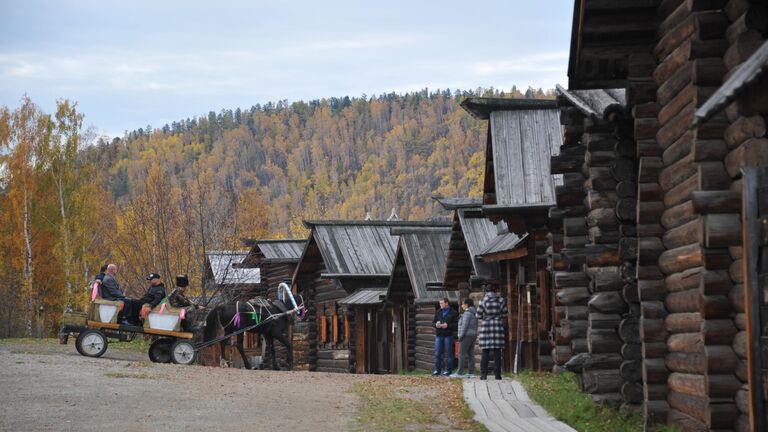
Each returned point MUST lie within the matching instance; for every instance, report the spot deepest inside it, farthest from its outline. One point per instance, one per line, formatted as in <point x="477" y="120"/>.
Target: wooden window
<point x="335" y="328"/>
<point x="323" y="329"/>
<point x="346" y="328"/>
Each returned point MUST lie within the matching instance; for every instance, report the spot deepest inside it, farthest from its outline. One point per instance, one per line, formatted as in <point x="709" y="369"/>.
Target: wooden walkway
<point x="505" y="406"/>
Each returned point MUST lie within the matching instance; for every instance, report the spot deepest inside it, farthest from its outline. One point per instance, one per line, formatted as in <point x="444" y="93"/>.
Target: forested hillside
<point x="330" y="158"/>
<point x="157" y="198"/>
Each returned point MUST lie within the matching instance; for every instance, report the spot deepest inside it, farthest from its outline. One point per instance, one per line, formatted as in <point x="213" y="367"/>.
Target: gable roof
<point x="424" y="253"/>
<point x="747" y="74"/>
<point x="479" y="232"/>
<point x="522" y="137"/>
<point x="359" y="248"/>
<point x="594" y="103"/>
<point x="225" y="270"/>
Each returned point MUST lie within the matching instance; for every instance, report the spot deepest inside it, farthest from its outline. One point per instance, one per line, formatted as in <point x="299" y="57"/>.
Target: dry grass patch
<point x="413" y="403"/>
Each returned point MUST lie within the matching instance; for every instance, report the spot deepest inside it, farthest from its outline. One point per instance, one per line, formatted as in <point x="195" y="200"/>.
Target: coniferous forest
<point x="157" y="198"/>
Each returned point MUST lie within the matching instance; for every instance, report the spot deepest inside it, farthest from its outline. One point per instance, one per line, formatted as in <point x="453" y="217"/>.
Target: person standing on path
<point x="445" y="323"/>
<point x="467" y="335"/>
<point x="492" y="311"/>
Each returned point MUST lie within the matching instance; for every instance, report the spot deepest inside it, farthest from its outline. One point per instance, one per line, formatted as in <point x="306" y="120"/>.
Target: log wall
<point x="569" y="235"/>
<point x="743" y="143"/>
<point x="695" y="257"/>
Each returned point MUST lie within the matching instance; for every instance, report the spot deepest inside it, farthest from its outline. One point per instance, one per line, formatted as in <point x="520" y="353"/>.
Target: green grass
<point x="561" y="397"/>
<point x="413" y="402"/>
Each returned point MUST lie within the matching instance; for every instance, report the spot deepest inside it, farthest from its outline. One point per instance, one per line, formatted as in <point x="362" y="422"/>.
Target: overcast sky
<point x="133" y="63"/>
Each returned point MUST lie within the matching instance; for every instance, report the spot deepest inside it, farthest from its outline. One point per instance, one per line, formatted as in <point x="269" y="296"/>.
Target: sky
<point x="129" y="64"/>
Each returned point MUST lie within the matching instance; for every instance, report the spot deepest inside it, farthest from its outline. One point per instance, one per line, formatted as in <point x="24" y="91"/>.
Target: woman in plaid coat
<point x="492" y="312"/>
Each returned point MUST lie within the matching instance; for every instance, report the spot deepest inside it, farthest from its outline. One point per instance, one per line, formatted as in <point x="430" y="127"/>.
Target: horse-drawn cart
<point x="170" y="344"/>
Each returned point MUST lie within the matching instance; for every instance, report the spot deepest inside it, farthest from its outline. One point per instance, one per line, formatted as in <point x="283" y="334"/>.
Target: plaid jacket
<point x="491" y="312"/>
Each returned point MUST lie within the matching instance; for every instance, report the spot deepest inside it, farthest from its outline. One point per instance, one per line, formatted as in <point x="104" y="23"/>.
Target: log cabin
<point x="345" y="265"/>
<point x="414" y="290"/>
<point x="518" y="192"/>
<point x="695" y="113"/>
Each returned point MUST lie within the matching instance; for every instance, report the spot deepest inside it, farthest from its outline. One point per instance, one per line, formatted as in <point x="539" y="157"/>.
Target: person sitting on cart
<point x="110" y="290"/>
<point x="178" y="297"/>
<point x="154" y="295"/>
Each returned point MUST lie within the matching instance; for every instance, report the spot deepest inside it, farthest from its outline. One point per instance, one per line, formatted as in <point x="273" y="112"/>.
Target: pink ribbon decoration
<point x="162" y="308"/>
<point x="95" y="291"/>
<point x="237" y="320"/>
<point x="182" y="314"/>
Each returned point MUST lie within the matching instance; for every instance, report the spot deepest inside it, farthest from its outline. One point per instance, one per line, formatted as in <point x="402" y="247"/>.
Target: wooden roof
<point x="424" y="254"/>
<point x="747" y="74"/>
<point x="603" y="36"/>
<point x="280" y="250"/>
<point x="224" y="267"/>
<point x="470" y="235"/>
<point x="359" y="249"/>
<point x="594" y="103"/>
<point x="365" y="296"/>
<point x="458" y="202"/>
<point x="521" y="141"/>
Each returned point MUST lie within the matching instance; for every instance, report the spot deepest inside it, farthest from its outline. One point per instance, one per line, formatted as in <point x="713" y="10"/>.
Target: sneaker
<point x="456" y="375"/>
<point x="447" y="373"/>
<point x="436" y="373"/>
<point x="471" y="375"/>
<point x="483" y="377"/>
<point x="498" y="378"/>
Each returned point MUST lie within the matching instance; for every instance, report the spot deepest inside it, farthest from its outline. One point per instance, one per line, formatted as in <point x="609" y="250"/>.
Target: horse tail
<point x="212" y="322"/>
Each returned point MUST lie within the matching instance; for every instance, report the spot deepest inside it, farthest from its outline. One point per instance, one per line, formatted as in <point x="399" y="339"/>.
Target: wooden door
<point x="755" y="240"/>
<point x="399" y="357"/>
<point x="383" y="338"/>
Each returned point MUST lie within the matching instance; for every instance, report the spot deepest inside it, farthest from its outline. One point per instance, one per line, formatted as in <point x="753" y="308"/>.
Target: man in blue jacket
<point x="445" y="322"/>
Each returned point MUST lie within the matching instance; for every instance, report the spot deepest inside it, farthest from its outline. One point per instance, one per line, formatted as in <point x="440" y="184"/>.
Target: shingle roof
<point x="503" y="243"/>
<point x="522" y="140"/>
<point x="459" y="202"/>
<point x="359" y="248"/>
<point x="281" y="250"/>
<point x="594" y="103"/>
<point x="479" y="232"/>
<point x="747" y="73"/>
<point x="365" y="296"/>
<point x="424" y="254"/>
<point x="225" y="270"/>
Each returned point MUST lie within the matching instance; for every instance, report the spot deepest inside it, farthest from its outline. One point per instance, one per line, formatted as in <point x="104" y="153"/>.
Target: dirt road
<point x="45" y="386"/>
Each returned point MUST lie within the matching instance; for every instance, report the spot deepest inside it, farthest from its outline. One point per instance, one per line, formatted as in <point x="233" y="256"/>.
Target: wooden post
<point x="755" y="220"/>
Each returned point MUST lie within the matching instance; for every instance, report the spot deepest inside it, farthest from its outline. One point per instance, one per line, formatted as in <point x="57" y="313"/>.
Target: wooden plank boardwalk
<point x="504" y="406"/>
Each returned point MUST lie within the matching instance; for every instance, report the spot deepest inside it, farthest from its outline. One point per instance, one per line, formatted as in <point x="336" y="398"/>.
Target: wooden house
<point x="276" y="261"/>
<point x="413" y="294"/>
<point x="518" y="192"/>
<point x="345" y="267"/>
<point x="677" y="153"/>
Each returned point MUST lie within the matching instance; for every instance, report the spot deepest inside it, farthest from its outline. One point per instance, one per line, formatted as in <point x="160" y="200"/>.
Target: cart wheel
<point x="91" y="343"/>
<point x="160" y="351"/>
<point x="183" y="352"/>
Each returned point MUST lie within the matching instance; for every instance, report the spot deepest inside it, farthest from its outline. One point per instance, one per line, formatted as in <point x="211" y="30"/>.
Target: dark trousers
<point x="496" y="362"/>
<point x="467" y="354"/>
<point x="131" y="311"/>
<point x="443" y="344"/>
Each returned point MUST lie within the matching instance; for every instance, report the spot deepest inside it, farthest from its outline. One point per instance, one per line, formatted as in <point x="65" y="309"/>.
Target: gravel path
<point x="51" y="387"/>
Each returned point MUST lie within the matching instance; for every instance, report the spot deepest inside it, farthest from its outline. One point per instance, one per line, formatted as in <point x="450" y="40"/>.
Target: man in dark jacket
<point x="110" y="289"/>
<point x="445" y="322"/>
<point x="154" y="295"/>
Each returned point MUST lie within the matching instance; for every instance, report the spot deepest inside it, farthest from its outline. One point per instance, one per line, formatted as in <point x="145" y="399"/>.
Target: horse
<point x="234" y="316"/>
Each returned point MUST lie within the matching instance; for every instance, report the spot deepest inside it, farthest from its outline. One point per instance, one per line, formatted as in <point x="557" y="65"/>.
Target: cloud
<point x="540" y="63"/>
